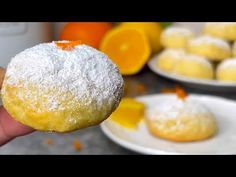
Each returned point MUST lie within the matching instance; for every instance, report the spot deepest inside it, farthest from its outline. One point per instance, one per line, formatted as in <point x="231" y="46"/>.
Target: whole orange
<point x="90" y="33"/>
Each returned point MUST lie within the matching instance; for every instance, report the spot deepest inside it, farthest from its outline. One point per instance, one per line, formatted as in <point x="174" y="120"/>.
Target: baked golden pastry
<point x="194" y="66"/>
<point x="223" y="30"/>
<point x="176" y="37"/>
<point x="210" y="47"/>
<point x="226" y="70"/>
<point x="181" y="120"/>
<point x="2" y="74"/>
<point x="168" y="58"/>
<point x="61" y="86"/>
<point x="234" y="49"/>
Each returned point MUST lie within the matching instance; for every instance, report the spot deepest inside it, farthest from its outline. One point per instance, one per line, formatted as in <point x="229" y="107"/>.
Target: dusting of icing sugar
<point x="173" y="108"/>
<point x="84" y="72"/>
<point x="228" y="63"/>
<point x="176" y="53"/>
<point x="199" y="59"/>
<point x="209" y="40"/>
<point x="178" y="31"/>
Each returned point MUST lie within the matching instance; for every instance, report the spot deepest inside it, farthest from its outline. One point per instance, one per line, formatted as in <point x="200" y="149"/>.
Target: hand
<point x="9" y="128"/>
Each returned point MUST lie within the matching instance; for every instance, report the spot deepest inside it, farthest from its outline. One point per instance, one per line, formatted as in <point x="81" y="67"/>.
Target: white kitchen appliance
<point x="17" y="36"/>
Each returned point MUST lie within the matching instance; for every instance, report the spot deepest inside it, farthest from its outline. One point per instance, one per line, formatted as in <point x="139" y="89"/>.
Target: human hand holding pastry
<point x="9" y="128"/>
<point x="58" y="87"/>
<point x="61" y="86"/>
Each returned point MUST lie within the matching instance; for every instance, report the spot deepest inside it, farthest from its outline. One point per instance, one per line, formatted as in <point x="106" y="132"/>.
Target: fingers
<point x="9" y="128"/>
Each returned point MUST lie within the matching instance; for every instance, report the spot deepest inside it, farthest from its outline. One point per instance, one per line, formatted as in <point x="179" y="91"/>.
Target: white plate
<point x="140" y="140"/>
<point x="213" y="85"/>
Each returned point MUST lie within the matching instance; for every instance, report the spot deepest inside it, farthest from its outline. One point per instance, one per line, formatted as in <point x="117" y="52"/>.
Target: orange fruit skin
<point x="90" y="33"/>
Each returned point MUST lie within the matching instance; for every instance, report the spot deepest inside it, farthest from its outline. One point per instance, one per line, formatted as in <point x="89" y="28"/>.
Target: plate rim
<point x="212" y="83"/>
<point x="149" y="151"/>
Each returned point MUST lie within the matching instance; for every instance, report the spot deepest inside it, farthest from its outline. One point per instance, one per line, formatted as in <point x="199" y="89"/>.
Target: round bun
<point x="223" y="30"/>
<point x="234" y="49"/>
<point x="176" y="37"/>
<point x="53" y="89"/>
<point x="182" y="121"/>
<point x="2" y="74"/>
<point x="226" y="70"/>
<point x="168" y="58"/>
<point x="210" y="47"/>
<point x="194" y="66"/>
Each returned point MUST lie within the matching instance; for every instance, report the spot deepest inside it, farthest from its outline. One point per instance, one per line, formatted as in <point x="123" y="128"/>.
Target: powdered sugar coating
<point x="178" y="31"/>
<point x="173" y="108"/>
<point x="228" y="63"/>
<point x="210" y="41"/>
<point x="84" y="72"/>
<point x="178" y="53"/>
<point x="199" y="59"/>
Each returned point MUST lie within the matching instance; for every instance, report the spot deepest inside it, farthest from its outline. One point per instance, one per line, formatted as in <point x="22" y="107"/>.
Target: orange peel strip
<point x="179" y="91"/>
<point x="68" y="45"/>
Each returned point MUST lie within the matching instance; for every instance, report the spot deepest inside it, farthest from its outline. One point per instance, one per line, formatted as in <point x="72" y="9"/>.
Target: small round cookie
<point x="168" y="58"/>
<point x="210" y="47"/>
<point x="181" y="120"/>
<point x="176" y="37"/>
<point x="61" y="86"/>
<point x="226" y="70"/>
<point x="194" y="66"/>
<point x="223" y="30"/>
<point x="234" y="49"/>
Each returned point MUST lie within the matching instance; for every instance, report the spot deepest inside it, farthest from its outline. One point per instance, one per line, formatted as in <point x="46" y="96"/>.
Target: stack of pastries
<point x="212" y="55"/>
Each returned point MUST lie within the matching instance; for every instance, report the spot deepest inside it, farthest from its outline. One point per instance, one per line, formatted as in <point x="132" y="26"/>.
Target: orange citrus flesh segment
<point x="129" y="113"/>
<point x="151" y="29"/>
<point x="128" y="48"/>
<point x="68" y="45"/>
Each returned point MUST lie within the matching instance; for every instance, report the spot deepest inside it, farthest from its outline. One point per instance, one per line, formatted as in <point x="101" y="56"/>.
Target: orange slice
<point x="129" y="113"/>
<point x="128" y="48"/>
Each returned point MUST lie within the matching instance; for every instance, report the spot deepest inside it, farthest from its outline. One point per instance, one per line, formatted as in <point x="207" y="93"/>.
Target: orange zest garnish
<point x="68" y="45"/>
<point x="179" y="91"/>
<point x="77" y="145"/>
<point x="49" y="142"/>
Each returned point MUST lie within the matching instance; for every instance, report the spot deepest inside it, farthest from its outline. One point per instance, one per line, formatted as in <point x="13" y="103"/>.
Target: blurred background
<point x="139" y="78"/>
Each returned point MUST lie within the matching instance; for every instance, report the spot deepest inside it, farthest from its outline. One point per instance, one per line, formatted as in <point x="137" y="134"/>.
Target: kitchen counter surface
<point x="92" y="140"/>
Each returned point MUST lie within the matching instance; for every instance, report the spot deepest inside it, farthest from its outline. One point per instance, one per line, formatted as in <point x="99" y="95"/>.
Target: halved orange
<point x="128" y="48"/>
